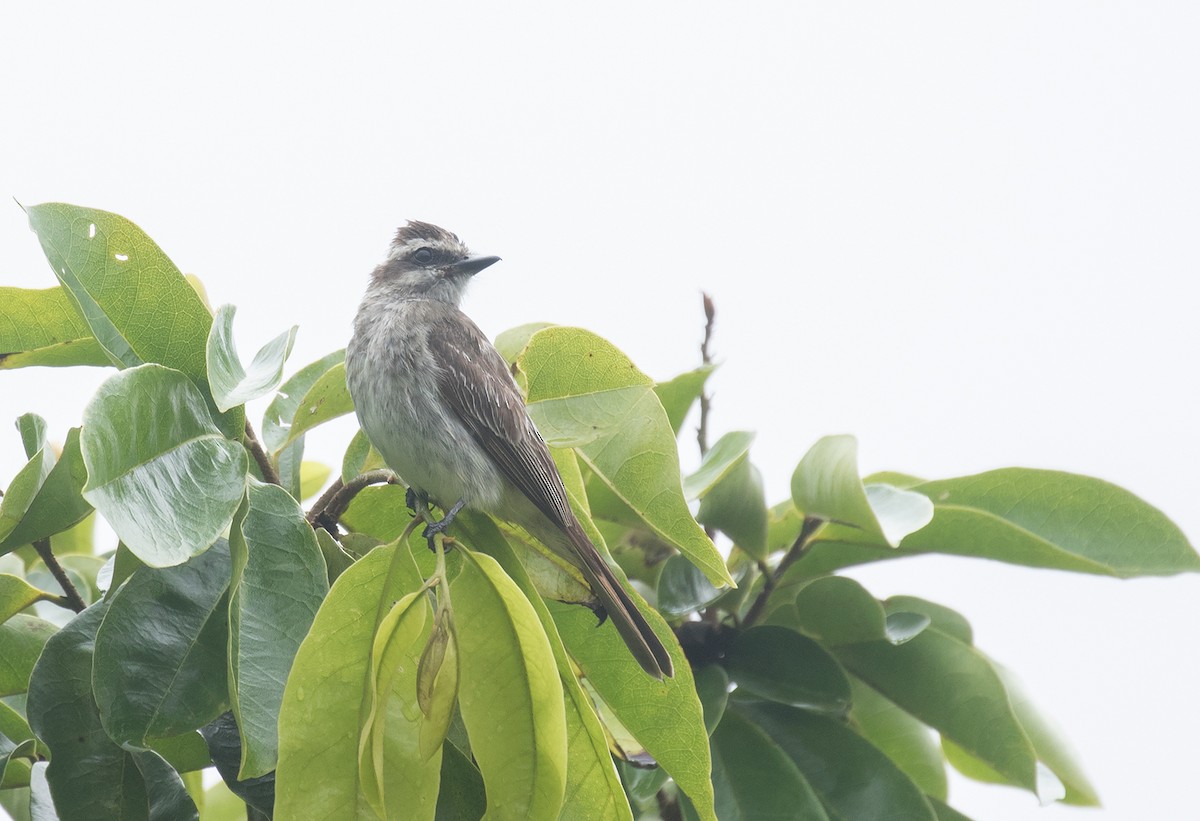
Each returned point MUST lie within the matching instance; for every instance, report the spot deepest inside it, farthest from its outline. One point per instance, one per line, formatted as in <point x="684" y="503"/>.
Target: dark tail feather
<point x="636" y="632"/>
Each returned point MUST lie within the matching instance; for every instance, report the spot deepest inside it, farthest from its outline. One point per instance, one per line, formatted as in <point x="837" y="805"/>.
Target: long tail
<point x="629" y="621"/>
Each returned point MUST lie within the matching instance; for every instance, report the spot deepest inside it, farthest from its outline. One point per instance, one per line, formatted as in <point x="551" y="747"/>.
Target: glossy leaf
<point x="949" y="621"/>
<point x="593" y="790"/>
<point x="837" y="610"/>
<point x="911" y="745"/>
<point x="160" y="651"/>
<point x="42" y="327"/>
<point x="327" y="399"/>
<point x="509" y="694"/>
<point x="683" y="588"/>
<point x="781" y="665"/>
<point x="232" y="384"/>
<point x="679" y="394"/>
<point x="90" y="776"/>
<point x="461" y="797"/>
<point x="24" y="487"/>
<point x="21" y="641"/>
<point x="754" y="778"/>
<point x="585" y="394"/>
<point x="853" y="779"/>
<point x="278" y="583"/>
<point x="278" y="418"/>
<point x="951" y="687"/>
<point x="58" y="503"/>
<point x="325" y="701"/>
<point x="726" y="454"/>
<point x="664" y="716"/>
<point x="159" y="469"/>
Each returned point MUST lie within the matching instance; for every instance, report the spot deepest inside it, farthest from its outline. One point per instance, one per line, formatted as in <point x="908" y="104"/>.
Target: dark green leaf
<point x="679" y="394"/>
<point x="21" y="641"/>
<point x="160" y="652"/>
<point x="912" y="746"/>
<point x="224" y="746"/>
<point x="159" y="470"/>
<point x="233" y="385"/>
<point x="781" y="665"/>
<point x="43" y="328"/>
<point x="279" y="582"/>
<point x="461" y="797"/>
<point x="853" y="779"/>
<point x="950" y="622"/>
<point x="90" y="777"/>
<point x="712" y="686"/>
<point x="945" y="812"/>
<point x="837" y="610"/>
<point x="952" y="688"/>
<point x="683" y="588"/>
<point x="753" y="778"/>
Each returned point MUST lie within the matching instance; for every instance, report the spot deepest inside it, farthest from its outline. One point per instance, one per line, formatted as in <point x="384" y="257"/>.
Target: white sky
<point x="965" y="234"/>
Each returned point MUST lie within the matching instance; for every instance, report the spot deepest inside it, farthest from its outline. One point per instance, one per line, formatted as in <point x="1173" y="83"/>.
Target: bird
<point x="439" y="403"/>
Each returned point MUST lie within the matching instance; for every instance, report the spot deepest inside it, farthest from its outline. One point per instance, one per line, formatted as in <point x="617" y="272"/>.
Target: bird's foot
<point x="434" y="528"/>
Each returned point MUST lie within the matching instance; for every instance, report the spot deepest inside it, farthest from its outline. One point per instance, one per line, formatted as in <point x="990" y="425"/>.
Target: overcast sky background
<point x="964" y="233"/>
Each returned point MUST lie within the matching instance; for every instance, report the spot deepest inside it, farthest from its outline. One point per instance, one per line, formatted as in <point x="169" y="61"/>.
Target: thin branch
<point x="710" y="313"/>
<point x="72" y="599"/>
<point x="334" y="501"/>
<point x="771" y="578"/>
<point x="265" y="465"/>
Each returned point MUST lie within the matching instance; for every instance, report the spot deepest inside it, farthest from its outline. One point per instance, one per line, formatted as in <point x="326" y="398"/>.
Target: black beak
<point x="472" y="265"/>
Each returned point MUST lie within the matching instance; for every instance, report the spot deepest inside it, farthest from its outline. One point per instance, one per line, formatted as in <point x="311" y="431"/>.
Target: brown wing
<point x="474" y="382"/>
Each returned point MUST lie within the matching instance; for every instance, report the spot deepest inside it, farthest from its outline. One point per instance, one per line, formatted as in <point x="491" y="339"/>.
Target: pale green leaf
<point x="232" y="384"/>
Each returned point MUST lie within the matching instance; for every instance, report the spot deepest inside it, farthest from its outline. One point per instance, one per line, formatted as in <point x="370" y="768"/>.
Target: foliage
<point x="329" y="665"/>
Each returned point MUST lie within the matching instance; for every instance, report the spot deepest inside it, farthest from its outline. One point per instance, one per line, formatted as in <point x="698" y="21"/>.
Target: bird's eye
<point x="423" y="256"/>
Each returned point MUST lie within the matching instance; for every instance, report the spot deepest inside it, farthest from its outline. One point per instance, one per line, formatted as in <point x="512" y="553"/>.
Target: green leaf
<point x="337" y="560"/>
<point x="781" y="665"/>
<point x="593" y="789"/>
<point x="327" y="399"/>
<point x="233" y="385"/>
<point x="951" y="687"/>
<point x="437" y="683"/>
<point x="729" y="452"/>
<point x="378" y="511"/>
<point x="912" y="746"/>
<point x="683" y="589"/>
<point x="281" y="413"/>
<point x="279" y="582"/>
<point x="43" y="328"/>
<point x="15" y="758"/>
<point x="90" y="776"/>
<point x="21" y="641"/>
<point x="826" y="485"/>
<point x="24" y="487"/>
<point x="58" y="504"/>
<point x="664" y="716"/>
<point x="1045" y="518"/>
<point x="737" y="507"/>
<point x="461" y="797"/>
<point x="313" y="476"/>
<point x="753" y="778"/>
<point x="159" y="469"/>
<point x="509" y="693"/>
<point x="326" y="699"/>
<point x="853" y="779"/>
<point x="160" y="651"/>
<point x="585" y="394"/>
<point x="679" y="394"/>
<point x="15" y="595"/>
<point x="837" y="610"/>
<point x="136" y="302"/>
<point x="950" y="622"/>
<point x="945" y="812"/>
<point x="512" y="342"/>
<point x="712" y="686"/>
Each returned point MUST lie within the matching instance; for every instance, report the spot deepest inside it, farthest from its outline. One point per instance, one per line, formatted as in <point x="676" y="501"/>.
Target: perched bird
<point x="439" y="404"/>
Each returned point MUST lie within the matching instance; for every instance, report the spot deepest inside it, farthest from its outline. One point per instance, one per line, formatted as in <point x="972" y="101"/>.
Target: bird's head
<point x="426" y="261"/>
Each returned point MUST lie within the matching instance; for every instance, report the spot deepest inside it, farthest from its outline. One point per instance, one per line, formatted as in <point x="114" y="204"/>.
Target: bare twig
<point x="710" y="313"/>
<point x="265" y="465"/>
<point x="72" y="600"/>
<point x="334" y="501"/>
<point x="771" y="577"/>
